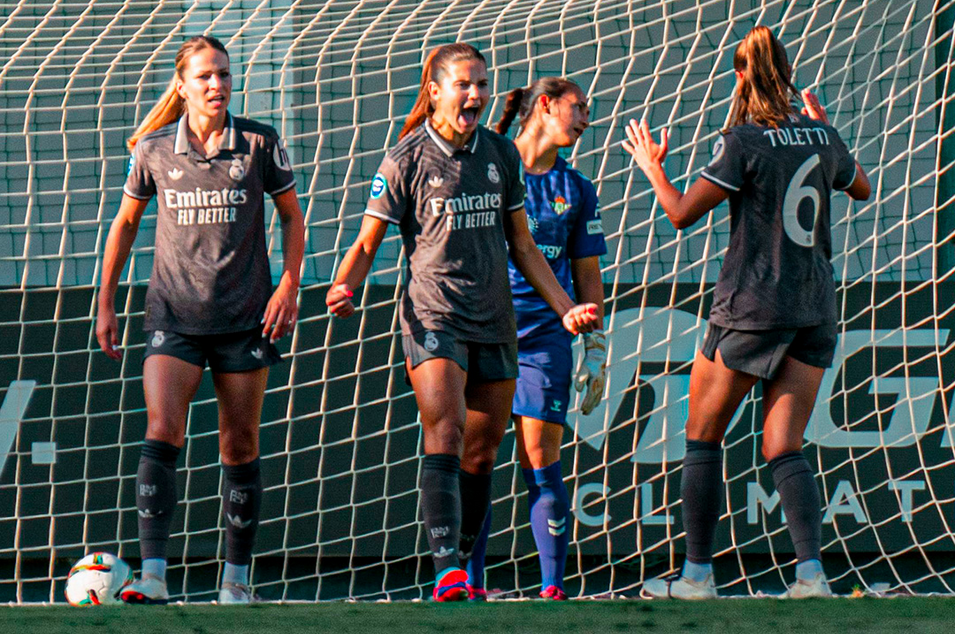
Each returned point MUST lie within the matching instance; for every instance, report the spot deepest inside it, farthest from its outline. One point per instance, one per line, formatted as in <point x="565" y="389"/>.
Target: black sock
<point x="701" y="488"/>
<point x="441" y="507"/>
<point x="475" y="501"/>
<point x="241" y="501"/>
<point x="156" y="496"/>
<point x="799" y="494"/>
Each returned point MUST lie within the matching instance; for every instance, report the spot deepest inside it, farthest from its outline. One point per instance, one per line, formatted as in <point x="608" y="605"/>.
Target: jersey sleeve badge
<point x="280" y="156"/>
<point x="718" y="148"/>
<point x="378" y="186"/>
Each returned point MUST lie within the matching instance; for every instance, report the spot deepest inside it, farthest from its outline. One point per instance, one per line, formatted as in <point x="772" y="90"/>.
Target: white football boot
<point x="236" y="594"/>
<point x="815" y="588"/>
<point x="148" y="590"/>
<point x="679" y="587"/>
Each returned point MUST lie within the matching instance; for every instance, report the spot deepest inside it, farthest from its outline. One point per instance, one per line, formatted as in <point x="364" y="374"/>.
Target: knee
<point x="772" y="450"/>
<point x="165" y="429"/>
<point x="703" y="430"/>
<point x="238" y="447"/>
<point x="480" y="453"/>
<point x="479" y="460"/>
<point x="445" y="435"/>
<point x="239" y="453"/>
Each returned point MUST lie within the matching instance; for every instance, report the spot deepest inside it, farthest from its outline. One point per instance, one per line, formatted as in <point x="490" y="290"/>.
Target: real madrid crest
<point x="430" y="342"/>
<point x="158" y="338"/>
<point x="237" y="170"/>
<point x="492" y="174"/>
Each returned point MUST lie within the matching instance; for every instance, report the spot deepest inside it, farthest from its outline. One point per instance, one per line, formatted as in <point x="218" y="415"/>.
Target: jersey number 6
<point x="795" y="194"/>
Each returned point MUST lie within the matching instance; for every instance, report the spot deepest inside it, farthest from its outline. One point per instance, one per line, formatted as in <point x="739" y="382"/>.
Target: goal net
<point x="340" y="437"/>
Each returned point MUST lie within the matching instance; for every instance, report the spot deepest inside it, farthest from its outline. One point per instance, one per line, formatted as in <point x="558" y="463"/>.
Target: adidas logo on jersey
<point x="257" y="353"/>
<point x="175" y="173"/>
<point x="436" y="181"/>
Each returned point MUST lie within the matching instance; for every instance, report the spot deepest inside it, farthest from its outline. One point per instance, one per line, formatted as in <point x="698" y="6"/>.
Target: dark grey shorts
<point x="482" y="361"/>
<point x="225" y="352"/>
<point x="761" y="352"/>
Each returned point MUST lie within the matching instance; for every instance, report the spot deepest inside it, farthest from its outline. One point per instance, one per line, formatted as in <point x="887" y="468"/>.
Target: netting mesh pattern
<point x="340" y="438"/>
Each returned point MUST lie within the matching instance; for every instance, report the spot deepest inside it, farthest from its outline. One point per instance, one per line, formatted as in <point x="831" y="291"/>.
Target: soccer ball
<point x="97" y="579"/>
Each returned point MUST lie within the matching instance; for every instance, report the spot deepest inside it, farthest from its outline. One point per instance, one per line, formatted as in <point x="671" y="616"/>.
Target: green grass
<point x="767" y="616"/>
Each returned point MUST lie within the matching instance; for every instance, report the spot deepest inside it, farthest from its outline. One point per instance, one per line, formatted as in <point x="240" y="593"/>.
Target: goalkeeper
<point x="564" y="218"/>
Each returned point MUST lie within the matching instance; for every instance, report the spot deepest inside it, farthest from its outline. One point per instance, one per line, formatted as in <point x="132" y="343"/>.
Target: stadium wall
<point x="343" y="480"/>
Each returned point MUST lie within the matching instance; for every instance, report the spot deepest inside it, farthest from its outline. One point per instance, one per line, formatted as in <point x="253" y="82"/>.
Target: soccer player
<point x="210" y="297"/>
<point x="454" y="190"/>
<point x="564" y="218"/>
<point x="774" y="305"/>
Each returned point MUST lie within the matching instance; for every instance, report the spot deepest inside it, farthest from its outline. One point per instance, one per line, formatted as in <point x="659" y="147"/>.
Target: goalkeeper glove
<point x="592" y="371"/>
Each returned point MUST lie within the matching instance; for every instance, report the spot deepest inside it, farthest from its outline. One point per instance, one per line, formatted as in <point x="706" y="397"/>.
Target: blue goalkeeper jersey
<point x="564" y="217"/>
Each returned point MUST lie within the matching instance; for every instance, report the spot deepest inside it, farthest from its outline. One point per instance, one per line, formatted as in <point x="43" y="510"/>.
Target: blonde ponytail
<point x="171" y="106"/>
<point x="766" y="92"/>
<point x="168" y="109"/>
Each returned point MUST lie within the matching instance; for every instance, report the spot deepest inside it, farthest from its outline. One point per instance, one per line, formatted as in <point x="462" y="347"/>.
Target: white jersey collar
<point x="447" y="148"/>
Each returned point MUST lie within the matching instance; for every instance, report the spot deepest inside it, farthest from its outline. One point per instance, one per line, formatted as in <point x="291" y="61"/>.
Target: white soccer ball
<point x="97" y="579"/>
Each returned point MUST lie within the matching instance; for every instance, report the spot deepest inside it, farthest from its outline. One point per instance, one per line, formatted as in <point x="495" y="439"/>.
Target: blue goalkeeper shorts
<point x="545" y="364"/>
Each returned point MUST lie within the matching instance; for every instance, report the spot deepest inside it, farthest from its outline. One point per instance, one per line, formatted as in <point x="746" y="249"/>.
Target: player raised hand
<point x="812" y="108"/>
<point x="338" y="300"/>
<point x="592" y="371"/>
<point x="646" y="152"/>
<point x="581" y="318"/>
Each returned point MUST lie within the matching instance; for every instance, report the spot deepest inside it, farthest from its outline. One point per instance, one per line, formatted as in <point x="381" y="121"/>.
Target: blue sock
<point x="154" y="567"/>
<point x="696" y="572"/>
<point x="807" y="570"/>
<point x="476" y="562"/>
<point x="549" y="522"/>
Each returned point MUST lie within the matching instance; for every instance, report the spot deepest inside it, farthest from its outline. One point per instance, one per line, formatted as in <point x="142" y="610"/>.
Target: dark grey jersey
<point x="449" y="204"/>
<point x="210" y="269"/>
<point x="777" y="273"/>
